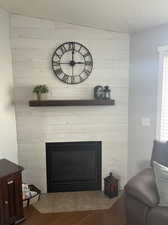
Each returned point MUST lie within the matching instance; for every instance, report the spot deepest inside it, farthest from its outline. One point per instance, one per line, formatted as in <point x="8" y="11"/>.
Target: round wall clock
<point x="72" y="63"/>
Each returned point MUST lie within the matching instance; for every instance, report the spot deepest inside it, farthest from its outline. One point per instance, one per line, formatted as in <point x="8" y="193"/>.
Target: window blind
<point x="164" y="101"/>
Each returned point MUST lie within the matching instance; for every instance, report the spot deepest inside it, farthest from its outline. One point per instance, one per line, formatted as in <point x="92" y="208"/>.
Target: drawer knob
<point x="6" y="202"/>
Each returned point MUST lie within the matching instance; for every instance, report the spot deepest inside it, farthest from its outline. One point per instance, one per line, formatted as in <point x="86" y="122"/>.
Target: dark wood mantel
<point x="88" y="102"/>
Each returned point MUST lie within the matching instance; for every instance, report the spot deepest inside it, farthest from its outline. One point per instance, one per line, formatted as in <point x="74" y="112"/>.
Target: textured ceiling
<point x="115" y="15"/>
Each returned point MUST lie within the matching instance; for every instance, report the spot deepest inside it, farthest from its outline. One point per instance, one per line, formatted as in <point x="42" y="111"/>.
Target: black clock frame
<point x="71" y="47"/>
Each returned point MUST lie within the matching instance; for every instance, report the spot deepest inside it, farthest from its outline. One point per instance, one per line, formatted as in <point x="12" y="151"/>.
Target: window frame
<point x="163" y="51"/>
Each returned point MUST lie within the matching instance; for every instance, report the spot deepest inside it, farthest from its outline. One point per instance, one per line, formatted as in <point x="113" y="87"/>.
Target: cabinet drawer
<point x="11" y="207"/>
<point x="1" y="206"/>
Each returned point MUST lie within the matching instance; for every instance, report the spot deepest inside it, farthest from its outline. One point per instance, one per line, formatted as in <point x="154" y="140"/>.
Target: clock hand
<point x="74" y="63"/>
<point x="79" y="63"/>
<point x="72" y="70"/>
<point x="73" y="51"/>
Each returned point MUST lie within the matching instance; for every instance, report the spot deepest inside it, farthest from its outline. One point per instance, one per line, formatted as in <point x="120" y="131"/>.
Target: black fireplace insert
<point x="73" y="166"/>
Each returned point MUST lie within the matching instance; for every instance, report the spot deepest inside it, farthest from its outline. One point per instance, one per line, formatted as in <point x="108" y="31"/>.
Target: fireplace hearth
<point x="73" y="166"/>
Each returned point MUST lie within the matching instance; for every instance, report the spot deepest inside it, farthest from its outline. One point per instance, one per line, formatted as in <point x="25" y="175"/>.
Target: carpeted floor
<point x="73" y="202"/>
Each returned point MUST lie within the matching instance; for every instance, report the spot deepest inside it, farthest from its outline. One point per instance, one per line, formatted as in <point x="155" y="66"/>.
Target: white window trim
<point x="163" y="51"/>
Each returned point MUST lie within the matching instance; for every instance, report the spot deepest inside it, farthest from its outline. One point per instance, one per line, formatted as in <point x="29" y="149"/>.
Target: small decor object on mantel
<point x="101" y="92"/>
<point x="39" y="90"/>
<point x="111" y="186"/>
<point x="98" y="92"/>
<point x="107" y="92"/>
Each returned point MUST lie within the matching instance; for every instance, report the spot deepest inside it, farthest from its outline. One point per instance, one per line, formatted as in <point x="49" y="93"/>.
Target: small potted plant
<point x="40" y="89"/>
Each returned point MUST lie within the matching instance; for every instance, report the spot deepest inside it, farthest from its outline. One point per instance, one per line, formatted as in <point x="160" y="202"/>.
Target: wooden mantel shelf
<point x="88" y="102"/>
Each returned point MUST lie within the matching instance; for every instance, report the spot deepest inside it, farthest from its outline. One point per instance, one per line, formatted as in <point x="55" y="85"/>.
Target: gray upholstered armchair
<point x="141" y="193"/>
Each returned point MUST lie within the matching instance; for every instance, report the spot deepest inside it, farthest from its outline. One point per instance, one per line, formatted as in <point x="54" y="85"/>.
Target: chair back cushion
<point x="161" y="178"/>
<point x="160" y="153"/>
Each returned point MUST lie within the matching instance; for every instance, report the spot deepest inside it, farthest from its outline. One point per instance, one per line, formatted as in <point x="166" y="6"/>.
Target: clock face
<point x="72" y="63"/>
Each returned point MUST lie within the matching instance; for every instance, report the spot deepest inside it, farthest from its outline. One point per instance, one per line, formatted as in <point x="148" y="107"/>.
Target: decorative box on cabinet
<point x="11" y="205"/>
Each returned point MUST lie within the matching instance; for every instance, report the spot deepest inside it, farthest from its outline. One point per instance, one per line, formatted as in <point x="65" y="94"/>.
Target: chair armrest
<point x="143" y="188"/>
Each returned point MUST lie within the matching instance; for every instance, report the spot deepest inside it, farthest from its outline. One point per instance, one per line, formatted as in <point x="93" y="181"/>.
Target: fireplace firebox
<point x="73" y="166"/>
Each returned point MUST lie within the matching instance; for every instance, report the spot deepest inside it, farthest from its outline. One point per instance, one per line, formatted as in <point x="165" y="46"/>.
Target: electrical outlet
<point x="146" y="121"/>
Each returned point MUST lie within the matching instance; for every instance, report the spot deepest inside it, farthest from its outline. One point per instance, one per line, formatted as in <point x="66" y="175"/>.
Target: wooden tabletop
<point x="7" y="167"/>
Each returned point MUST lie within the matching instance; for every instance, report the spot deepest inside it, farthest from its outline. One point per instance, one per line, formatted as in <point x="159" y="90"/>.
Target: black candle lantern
<point x="111" y="186"/>
<point x="107" y="92"/>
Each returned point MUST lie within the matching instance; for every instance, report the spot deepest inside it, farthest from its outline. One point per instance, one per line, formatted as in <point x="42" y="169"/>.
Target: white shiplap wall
<point x="8" y="136"/>
<point x="33" y="43"/>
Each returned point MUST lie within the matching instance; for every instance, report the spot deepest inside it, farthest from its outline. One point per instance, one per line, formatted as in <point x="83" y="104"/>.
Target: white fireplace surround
<point x="33" y="42"/>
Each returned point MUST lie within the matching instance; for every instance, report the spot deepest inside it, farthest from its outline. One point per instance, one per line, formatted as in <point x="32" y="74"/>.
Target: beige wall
<point x="8" y="139"/>
<point x="144" y="72"/>
<point x="33" y="43"/>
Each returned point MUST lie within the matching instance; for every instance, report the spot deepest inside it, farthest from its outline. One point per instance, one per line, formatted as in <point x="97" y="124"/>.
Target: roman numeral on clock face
<point x="72" y="79"/>
<point x="87" y="72"/>
<point x="80" y="78"/>
<point x="56" y="63"/>
<point x="80" y="48"/>
<point x="87" y="54"/>
<point x="65" y="78"/>
<point x="71" y="46"/>
<point x="63" y="49"/>
<point x="88" y="63"/>
<point x="59" y="56"/>
<point x="58" y="71"/>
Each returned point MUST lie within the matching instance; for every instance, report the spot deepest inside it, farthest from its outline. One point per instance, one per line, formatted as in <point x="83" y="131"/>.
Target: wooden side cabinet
<point x="11" y="205"/>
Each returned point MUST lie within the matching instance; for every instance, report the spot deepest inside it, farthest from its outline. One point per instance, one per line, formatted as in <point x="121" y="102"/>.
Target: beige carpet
<point x="73" y="201"/>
